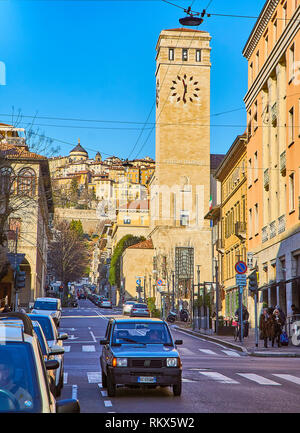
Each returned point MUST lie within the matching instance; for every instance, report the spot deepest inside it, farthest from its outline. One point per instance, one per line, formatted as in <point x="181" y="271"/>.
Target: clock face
<point x="185" y="89"/>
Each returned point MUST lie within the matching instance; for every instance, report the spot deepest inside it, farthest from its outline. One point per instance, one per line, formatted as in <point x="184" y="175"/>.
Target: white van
<point x="48" y="307"/>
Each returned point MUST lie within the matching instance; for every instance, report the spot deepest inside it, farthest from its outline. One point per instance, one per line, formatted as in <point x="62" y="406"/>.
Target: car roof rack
<point x="28" y="327"/>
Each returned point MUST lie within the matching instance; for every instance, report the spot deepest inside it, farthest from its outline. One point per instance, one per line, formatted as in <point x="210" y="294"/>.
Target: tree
<point x="68" y="255"/>
<point x="77" y="226"/>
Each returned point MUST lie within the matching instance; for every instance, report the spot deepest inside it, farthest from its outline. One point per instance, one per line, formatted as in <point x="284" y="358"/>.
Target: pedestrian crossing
<point x="209" y="352"/>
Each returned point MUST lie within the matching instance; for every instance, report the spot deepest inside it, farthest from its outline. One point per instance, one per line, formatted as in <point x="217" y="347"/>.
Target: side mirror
<point x="53" y="364"/>
<point x="63" y="337"/>
<point x="178" y="342"/>
<point x="103" y="342"/>
<point x="68" y="406"/>
<point x="57" y="350"/>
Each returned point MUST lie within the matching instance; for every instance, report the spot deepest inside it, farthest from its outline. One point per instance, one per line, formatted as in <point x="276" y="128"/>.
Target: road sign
<point x="138" y="281"/>
<point x="159" y="282"/>
<point x="241" y="267"/>
<point x="241" y="280"/>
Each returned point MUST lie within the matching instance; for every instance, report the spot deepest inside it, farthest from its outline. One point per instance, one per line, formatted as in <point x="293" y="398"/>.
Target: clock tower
<point x="180" y="188"/>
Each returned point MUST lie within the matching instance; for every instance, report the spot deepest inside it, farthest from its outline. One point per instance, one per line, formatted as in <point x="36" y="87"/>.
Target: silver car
<point x="128" y="306"/>
<point x="48" y="307"/>
<point x="140" y="310"/>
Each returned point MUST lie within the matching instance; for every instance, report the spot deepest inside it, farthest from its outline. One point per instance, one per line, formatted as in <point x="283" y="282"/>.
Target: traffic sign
<point x="138" y="281"/>
<point x="241" y="280"/>
<point x="159" y="282"/>
<point x="241" y="267"/>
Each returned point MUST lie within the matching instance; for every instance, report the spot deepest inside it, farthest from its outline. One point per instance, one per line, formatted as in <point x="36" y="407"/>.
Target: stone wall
<point x="90" y="221"/>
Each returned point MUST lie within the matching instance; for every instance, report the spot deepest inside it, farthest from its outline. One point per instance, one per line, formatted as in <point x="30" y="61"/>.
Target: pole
<point x="255" y="312"/>
<point x="198" y="304"/>
<point x="173" y="290"/>
<point x="144" y="288"/>
<point x="217" y="296"/>
<point x="15" y="270"/>
<point x="241" y="312"/>
<point x="204" y="303"/>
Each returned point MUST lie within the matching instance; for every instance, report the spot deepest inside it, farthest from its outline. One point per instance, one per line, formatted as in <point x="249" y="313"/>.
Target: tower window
<point x="184" y="54"/>
<point x="171" y="53"/>
<point x="198" y="55"/>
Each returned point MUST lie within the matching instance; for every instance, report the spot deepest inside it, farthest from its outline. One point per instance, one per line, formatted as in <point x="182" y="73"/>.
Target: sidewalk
<point x="248" y="346"/>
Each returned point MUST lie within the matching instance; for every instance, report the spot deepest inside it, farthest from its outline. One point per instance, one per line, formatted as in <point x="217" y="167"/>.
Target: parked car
<point x="48" y="307"/>
<point x="53" y="339"/>
<point x="82" y="296"/>
<point x="140" y="352"/>
<point x="127" y="306"/>
<point x="140" y="310"/>
<point x="26" y="387"/>
<point x="105" y="303"/>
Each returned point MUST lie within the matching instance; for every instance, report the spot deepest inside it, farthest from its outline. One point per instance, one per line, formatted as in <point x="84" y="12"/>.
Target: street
<point x="216" y="379"/>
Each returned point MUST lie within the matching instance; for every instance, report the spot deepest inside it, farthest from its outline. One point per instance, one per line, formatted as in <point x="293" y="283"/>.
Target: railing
<point x="272" y="229"/>
<point x="281" y="224"/>
<point x="283" y="163"/>
<point x="265" y="235"/>
<point x="240" y="228"/>
<point x="266" y="179"/>
<point x="16" y="141"/>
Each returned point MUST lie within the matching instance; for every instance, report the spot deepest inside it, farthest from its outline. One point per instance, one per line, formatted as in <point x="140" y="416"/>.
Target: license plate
<point x="146" y="379"/>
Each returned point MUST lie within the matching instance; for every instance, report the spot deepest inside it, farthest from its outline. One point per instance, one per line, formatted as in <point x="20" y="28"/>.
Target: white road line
<point x="88" y="348"/>
<point x="65" y="378"/>
<point x="258" y="379"/>
<point x="231" y="353"/>
<point x="74" y="391"/>
<point x="94" y="377"/>
<point x="67" y="348"/>
<point x="208" y="351"/>
<point x="185" y="351"/>
<point x="188" y="380"/>
<point x="289" y="377"/>
<point x="104" y="393"/>
<point x="107" y="403"/>
<point x="93" y="336"/>
<point x="218" y="377"/>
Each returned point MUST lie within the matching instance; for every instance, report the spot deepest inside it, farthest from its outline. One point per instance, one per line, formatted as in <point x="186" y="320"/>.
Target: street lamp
<point x="191" y="19"/>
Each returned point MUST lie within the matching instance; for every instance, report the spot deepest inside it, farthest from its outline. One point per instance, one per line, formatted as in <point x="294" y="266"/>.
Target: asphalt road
<point x="215" y="379"/>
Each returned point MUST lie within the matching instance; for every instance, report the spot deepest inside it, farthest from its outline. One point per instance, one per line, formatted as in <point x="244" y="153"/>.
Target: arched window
<point x="6" y="180"/>
<point x="26" y="182"/>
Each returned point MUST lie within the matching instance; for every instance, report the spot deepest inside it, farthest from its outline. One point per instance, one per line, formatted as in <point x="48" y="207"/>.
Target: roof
<point x="183" y="29"/>
<point x="215" y="160"/>
<point x="14" y="152"/>
<point x="79" y="148"/>
<point x="135" y="205"/>
<point x="136" y="319"/>
<point x="144" y="245"/>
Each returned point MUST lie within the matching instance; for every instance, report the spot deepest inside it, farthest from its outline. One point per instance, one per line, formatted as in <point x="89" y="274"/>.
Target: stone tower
<point x="181" y="185"/>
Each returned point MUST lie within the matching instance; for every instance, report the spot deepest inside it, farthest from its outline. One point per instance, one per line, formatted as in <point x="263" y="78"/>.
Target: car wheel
<point x="104" y="380"/>
<point x="111" y="387"/>
<point x="177" y="389"/>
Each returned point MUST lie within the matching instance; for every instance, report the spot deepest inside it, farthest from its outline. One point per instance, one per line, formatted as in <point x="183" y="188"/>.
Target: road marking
<point x="258" y="379"/>
<point x="188" y="380"/>
<point x="289" y="377"/>
<point x="185" y="351"/>
<point x="94" y="377"/>
<point x="67" y="348"/>
<point x="88" y="348"/>
<point x="74" y="391"/>
<point x="208" y="351"/>
<point x="107" y="403"/>
<point x="93" y="336"/>
<point x="231" y="353"/>
<point x="65" y="378"/>
<point x="218" y="377"/>
<point x="104" y="393"/>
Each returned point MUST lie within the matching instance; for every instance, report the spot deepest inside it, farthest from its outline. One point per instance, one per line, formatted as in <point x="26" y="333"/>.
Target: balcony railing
<point x="265" y="235"/>
<point x="240" y="229"/>
<point x="281" y="224"/>
<point x="274" y="114"/>
<point x="272" y="229"/>
<point x="283" y="163"/>
<point x="16" y="141"/>
<point x="266" y="179"/>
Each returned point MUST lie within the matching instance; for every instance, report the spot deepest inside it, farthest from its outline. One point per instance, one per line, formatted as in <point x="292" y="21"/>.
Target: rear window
<point x="45" y="305"/>
<point x="129" y="302"/>
<point x="141" y="306"/>
<point x="18" y="376"/>
<point x="45" y="323"/>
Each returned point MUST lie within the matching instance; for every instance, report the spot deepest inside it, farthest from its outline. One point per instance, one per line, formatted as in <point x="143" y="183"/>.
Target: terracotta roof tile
<point x="14" y="152"/>
<point x="144" y="245"/>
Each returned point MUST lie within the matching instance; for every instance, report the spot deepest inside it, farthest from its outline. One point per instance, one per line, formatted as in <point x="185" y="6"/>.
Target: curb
<point x="213" y="339"/>
<point x="274" y="355"/>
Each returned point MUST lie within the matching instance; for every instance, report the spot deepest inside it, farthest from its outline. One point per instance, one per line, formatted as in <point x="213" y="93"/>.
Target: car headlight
<point x="120" y="362"/>
<point x="172" y="362"/>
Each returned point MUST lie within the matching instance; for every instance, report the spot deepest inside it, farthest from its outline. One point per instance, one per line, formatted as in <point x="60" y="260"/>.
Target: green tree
<point x="77" y="226"/>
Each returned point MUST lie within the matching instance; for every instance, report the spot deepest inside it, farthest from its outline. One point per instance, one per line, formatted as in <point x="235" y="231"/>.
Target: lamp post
<point x="217" y="294"/>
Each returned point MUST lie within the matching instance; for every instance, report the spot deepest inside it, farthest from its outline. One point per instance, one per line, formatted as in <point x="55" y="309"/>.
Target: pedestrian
<point x="277" y="326"/>
<point x="265" y="325"/>
<point x="282" y="315"/>
<point x="245" y="319"/>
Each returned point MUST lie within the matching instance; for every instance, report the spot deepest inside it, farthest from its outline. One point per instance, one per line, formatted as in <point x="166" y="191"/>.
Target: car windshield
<point x="19" y="390"/>
<point x="45" y="305"/>
<point x="141" y="332"/>
<point x="130" y="303"/>
<point x="104" y="299"/>
<point x="45" y="323"/>
<point x="140" y="306"/>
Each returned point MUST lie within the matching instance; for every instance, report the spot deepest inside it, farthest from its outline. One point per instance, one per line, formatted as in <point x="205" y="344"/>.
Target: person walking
<point x="282" y="314"/>
<point x="245" y="320"/>
<point x="265" y="325"/>
<point x="277" y="326"/>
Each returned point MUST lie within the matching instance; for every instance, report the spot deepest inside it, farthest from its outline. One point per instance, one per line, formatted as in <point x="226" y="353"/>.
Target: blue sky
<point x="95" y="60"/>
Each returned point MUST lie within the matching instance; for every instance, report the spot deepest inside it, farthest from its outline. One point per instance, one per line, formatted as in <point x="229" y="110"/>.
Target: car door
<point x="105" y="348"/>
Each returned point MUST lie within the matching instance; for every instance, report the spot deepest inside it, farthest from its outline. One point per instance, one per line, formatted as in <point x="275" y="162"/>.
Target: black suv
<point x="140" y="352"/>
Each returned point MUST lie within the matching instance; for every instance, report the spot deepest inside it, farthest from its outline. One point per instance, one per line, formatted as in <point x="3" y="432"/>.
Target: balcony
<point x="281" y="224"/>
<point x="273" y="229"/>
<point x="266" y="179"/>
<point x="283" y="163"/>
<point x="265" y="235"/>
<point x="274" y="114"/>
<point x="240" y="230"/>
<point x="16" y="141"/>
<point x="220" y="245"/>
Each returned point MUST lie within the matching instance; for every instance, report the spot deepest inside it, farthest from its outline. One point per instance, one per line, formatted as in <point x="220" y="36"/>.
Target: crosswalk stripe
<point x="218" y="377"/>
<point x="107" y="403"/>
<point x="94" y="377"/>
<point x="185" y="351"/>
<point x="88" y="348"/>
<point x="65" y="378"/>
<point x="258" y="379"/>
<point x="231" y="353"/>
<point x="289" y="377"/>
<point x="208" y="351"/>
<point x="67" y="348"/>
